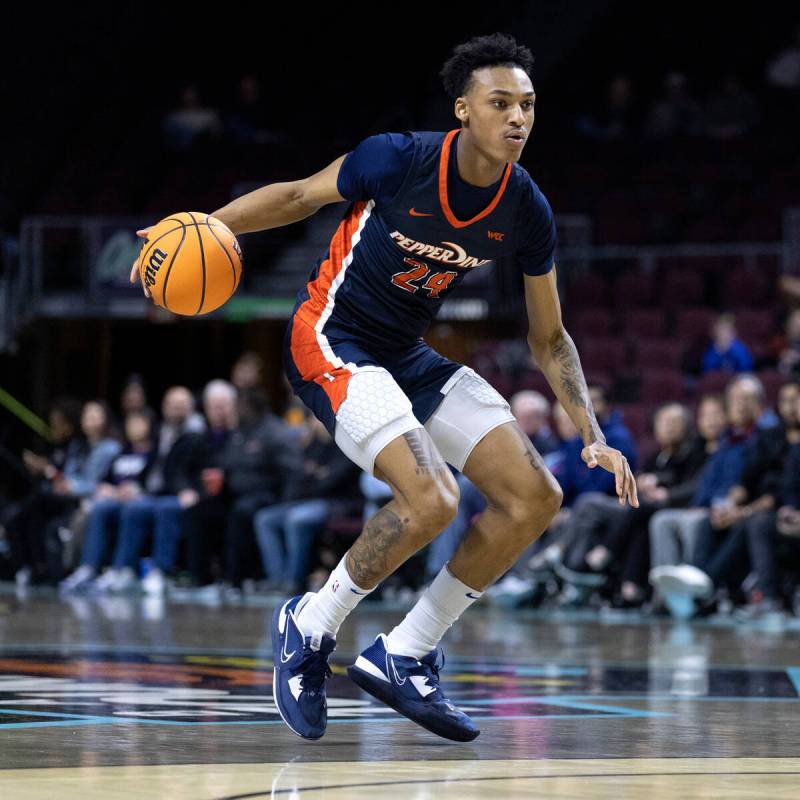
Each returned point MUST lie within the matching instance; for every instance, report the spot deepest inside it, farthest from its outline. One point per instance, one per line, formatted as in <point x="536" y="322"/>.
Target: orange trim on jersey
<point x="306" y="351"/>
<point x="444" y="160"/>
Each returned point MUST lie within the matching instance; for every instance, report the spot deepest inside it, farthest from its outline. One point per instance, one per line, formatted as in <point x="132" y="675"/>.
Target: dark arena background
<point x="629" y="652"/>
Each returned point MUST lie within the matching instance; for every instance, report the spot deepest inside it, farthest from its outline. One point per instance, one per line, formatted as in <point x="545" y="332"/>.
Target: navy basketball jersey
<point x="413" y="230"/>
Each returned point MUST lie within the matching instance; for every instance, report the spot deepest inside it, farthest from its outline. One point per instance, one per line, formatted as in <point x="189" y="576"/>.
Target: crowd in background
<point x="216" y="495"/>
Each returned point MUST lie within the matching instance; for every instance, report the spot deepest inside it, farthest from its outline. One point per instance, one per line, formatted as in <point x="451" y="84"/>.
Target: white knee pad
<point x="375" y="411"/>
<point x="470" y="409"/>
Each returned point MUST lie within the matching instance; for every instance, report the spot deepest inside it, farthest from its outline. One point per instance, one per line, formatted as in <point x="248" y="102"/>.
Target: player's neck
<point x="473" y="166"/>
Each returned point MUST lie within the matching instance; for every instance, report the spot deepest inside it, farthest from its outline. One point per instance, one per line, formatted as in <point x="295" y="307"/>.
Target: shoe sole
<point x="275" y="658"/>
<point x="378" y="689"/>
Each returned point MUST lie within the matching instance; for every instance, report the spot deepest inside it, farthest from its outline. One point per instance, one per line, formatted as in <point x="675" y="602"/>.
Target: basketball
<point x="191" y="263"/>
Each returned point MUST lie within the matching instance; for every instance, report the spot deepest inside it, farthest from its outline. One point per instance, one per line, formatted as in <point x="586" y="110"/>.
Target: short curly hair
<point x="494" y="50"/>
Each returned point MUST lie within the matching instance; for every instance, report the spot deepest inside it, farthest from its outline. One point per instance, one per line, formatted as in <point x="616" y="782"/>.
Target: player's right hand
<point x="135" y="274"/>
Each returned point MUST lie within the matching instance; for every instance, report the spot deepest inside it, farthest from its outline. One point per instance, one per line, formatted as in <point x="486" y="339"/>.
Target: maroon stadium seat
<point x="755" y="326"/>
<point x="714" y="382"/>
<point x="694" y="323"/>
<point x="591" y="322"/>
<point x="772" y="380"/>
<point x="746" y="288"/>
<point x="647" y="323"/>
<point x="658" y="353"/>
<point x="603" y="354"/>
<point x="660" y="385"/>
<point x="636" y="418"/>
<point x="681" y="288"/>
<point x="632" y="289"/>
<point x="586" y="291"/>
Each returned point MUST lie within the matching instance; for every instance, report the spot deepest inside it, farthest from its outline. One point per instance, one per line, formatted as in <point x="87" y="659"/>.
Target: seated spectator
<point x="325" y="481"/>
<point x="674" y="532"/>
<point x="122" y="484"/>
<point x="746" y="513"/>
<point x="676" y="112"/>
<point x="191" y="122"/>
<point x="615" y="119"/>
<point x="247" y="371"/>
<point x="783" y="69"/>
<point x="532" y="412"/>
<point x="605" y="527"/>
<point x="157" y="510"/>
<point x="578" y="482"/>
<point x="786" y="347"/>
<point x="726" y="350"/>
<point x="133" y="399"/>
<point x="670" y="481"/>
<point x="732" y="112"/>
<point x="35" y="521"/>
<point x="249" y="471"/>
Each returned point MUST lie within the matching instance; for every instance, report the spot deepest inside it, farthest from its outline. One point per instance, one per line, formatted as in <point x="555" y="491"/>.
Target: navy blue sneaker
<point x="411" y="687"/>
<point x="301" y="669"/>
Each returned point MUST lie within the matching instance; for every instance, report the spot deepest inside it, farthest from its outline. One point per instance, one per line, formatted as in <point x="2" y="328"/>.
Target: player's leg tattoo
<point x="563" y="351"/>
<point x="368" y="558"/>
<point x="530" y="452"/>
<point x="421" y="445"/>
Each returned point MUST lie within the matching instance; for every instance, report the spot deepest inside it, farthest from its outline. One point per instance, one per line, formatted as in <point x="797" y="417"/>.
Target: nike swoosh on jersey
<point x="418" y="213"/>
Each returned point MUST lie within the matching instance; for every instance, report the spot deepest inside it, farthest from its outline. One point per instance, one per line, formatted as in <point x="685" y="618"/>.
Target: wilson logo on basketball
<point x="153" y="266"/>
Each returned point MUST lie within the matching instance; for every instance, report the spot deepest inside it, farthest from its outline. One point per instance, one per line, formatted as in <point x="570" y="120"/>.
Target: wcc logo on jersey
<point x="452" y="254"/>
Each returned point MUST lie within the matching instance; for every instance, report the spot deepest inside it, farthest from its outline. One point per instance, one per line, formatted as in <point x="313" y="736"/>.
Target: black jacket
<point x="325" y="472"/>
<point x="679" y="472"/>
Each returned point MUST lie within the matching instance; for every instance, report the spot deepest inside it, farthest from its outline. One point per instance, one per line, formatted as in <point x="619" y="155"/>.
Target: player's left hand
<point x="599" y="454"/>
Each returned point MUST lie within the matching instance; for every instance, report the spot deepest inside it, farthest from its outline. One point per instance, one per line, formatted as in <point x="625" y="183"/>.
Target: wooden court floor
<point x="132" y="698"/>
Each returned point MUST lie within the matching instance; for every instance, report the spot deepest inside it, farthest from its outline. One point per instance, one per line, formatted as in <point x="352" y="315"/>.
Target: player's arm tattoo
<point x="428" y="459"/>
<point x="368" y="558"/>
<point x="573" y="382"/>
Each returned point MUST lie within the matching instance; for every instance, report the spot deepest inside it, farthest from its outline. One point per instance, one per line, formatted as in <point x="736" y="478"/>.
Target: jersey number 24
<point x="412" y="280"/>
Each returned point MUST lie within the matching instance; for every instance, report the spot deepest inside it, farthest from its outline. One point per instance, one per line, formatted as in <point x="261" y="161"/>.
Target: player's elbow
<point x="542" y="341"/>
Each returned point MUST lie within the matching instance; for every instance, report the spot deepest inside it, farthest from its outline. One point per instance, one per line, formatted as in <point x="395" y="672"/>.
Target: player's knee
<point x="434" y="508"/>
<point x="537" y="504"/>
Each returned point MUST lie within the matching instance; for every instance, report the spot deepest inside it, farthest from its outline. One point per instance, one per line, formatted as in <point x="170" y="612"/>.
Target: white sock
<point x="327" y="609"/>
<point x="440" y="605"/>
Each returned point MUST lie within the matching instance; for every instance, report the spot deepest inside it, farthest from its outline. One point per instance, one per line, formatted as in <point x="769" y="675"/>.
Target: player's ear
<point x="461" y="109"/>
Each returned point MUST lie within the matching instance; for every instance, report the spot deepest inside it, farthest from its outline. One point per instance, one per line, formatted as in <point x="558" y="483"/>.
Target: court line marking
<point x="267" y="793"/>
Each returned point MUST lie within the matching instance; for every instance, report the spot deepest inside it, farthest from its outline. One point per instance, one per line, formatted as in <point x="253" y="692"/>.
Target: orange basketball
<point x="190" y="262"/>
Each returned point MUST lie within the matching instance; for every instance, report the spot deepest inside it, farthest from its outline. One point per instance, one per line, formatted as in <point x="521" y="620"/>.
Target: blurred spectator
<point x="574" y="476"/>
<point x="675" y="113"/>
<point x="325" y="482"/>
<point x="247" y="371"/>
<point x="122" y="484"/>
<point x="726" y="350"/>
<point x="732" y="112"/>
<point x="35" y="521"/>
<point x="783" y="70"/>
<point x="674" y="532"/>
<point x="191" y="122"/>
<point x="157" y="510"/>
<point x="579" y="483"/>
<point x="746" y="514"/>
<point x="248" y="121"/>
<point x="247" y="473"/>
<point x="133" y="399"/>
<point x="604" y="529"/>
<point x="532" y="412"/>
<point x="786" y="347"/>
<point x="615" y="119"/>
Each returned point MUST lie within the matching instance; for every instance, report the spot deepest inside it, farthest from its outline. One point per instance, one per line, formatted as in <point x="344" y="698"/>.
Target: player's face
<point x="499" y="110"/>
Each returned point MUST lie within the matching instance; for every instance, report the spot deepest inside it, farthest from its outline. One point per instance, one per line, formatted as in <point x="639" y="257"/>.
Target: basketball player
<point x="425" y="208"/>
